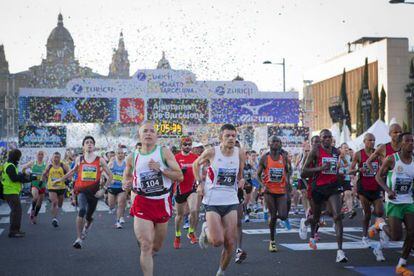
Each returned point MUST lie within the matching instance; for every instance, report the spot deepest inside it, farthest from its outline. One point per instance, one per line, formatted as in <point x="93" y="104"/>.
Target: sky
<point x="216" y="40"/>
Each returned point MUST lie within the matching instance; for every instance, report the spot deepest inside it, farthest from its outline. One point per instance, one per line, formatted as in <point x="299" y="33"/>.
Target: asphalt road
<point x="108" y="251"/>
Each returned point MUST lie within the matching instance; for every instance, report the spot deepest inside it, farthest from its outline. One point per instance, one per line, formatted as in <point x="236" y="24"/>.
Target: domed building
<point x="60" y="64"/>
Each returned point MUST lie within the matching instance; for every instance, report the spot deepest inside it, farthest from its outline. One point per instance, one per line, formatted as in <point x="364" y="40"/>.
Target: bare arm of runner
<point x="127" y="177"/>
<point x="308" y="171"/>
<point x="382" y="173"/>
<point x="355" y="160"/>
<point x="378" y="153"/>
<point x="107" y="171"/>
<point x="203" y="159"/>
<point x="27" y="165"/>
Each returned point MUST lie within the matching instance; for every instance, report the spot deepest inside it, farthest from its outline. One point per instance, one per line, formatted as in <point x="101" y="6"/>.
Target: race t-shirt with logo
<point x="400" y="180"/>
<point x="117" y="174"/>
<point x="54" y="174"/>
<point x="329" y="175"/>
<point x="367" y="177"/>
<point x="150" y="183"/>
<point x="89" y="175"/>
<point x="186" y="164"/>
<point x="38" y="170"/>
<point x="221" y="181"/>
<point x="274" y="177"/>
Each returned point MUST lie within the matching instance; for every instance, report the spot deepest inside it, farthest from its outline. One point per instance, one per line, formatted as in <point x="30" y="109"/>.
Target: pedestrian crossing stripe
<point x="4" y="209"/>
<point x="4" y="220"/>
<point x="68" y="208"/>
<point x="41" y="211"/>
<point x="334" y="245"/>
<point x="296" y="231"/>
<point x="1" y="230"/>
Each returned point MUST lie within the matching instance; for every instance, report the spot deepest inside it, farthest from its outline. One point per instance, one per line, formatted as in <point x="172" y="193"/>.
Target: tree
<point x="375" y="106"/>
<point x="360" y="116"/>
<point x="345" y="104"/>
<point x="382" y="104"/>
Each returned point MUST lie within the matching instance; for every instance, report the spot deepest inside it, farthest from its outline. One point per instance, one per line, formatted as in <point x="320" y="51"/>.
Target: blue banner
<point x="244" y="111"/>
<point x="42" y="136"/>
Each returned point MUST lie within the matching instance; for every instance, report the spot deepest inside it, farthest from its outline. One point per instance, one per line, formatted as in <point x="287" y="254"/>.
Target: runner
<point x="224" y="177"/>
<point x="57" y="189"/>
<point x="322" y="163"/>
<point x="117" y="196"/>
<point x="89" y="168"/>
<point x="344" y="168"/>
<point x="273" y="172"/>
<point x="369" y="191"/>
<point x="387" y="149"/>
<point x="150" y="172"/>
<point x="37" y="167"/>
<point x="186" y="195"/>
<point x="399" y="170"/>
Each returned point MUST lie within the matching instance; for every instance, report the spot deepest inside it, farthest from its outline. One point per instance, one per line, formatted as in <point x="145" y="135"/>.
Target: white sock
<point x="381" y="225"/>
<point x="402" y="262"/>
<point x="220" y="270"/>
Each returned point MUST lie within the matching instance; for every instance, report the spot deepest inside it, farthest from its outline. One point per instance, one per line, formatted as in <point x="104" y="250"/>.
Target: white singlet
<point x="400" y="180"/>
<point x="221" y="179"/>
<point x="150" y="183"/>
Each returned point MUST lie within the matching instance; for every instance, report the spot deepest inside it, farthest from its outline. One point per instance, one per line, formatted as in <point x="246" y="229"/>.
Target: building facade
<point x="388" y="68"/>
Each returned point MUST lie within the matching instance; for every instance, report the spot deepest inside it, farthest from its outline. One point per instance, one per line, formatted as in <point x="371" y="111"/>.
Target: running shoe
<point x="121" y="220"/>
<point x="246" y="218"/>
<point x="77" y="244"/>
<point x="374" y="229"/>
<point x="317" y="237"/>
<point x="118" y="225"/>
<point x="192" y="237"/>
<point x="203" y="240"/>
<point x="272" y="246"/>
<point x="177" y="242"/>
<point x="220" y="273"/>
<point x="240" y="256"/>
<point x="312" y="243"/>
<point x="186" y="223"/>
<point x="303" y="229"/>
<point x="55" y="222"/>
<point x="378" y="254"/>
<point x="32" y="219"/>
<point x="322" y="222"/>
<point x="403" y="271"/>
<point x="366" y="242"/>
<point x="340" y="256"/>
<point x="287" y="224"/>
<point x="86" y="228"/>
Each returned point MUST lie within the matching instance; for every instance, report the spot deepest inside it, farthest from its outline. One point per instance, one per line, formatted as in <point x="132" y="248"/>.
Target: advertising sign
<point x="131" y="110"/>
<point x="185" y="111"/>
<point x="66" y="110"/>
<point x="42" y="136"/>
<point x="290" y="136"/>
<point x="242" y="111"/>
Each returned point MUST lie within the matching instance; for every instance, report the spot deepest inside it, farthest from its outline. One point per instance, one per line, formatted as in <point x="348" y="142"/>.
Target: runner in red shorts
<point x="150" y="173"/>
<point x="186" y="195"/>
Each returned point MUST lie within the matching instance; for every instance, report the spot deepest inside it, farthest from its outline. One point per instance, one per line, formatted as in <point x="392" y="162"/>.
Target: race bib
<point x="151" y="182"/>
<point x="117" y="177"/>
<point x="403" y="185"/>
<point x="367" y="172"/>
<point x="226" y="177"/>
<point x="276" y="174"/>
<point x="89" y="173"/>
<point x="333" y="165"/>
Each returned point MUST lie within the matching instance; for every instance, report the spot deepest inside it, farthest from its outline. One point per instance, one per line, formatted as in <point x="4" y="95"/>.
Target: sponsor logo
<point x="141" y="76"/>
<point x="254" y="109"/>
<point x="220" y="90"/>
<point x="77" y="88"/>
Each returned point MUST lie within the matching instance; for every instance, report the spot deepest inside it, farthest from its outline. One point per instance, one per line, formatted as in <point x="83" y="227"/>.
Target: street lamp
<point x="284" y="70"/>
<point x="366" y="107"/>
<point x="409" y="92"/>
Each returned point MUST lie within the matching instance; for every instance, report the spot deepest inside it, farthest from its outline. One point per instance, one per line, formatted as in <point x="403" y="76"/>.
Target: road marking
<point x="334" y="245"/>
<point x="67" y="207"/>
<point x="5" y="220"/>
<point x="41" y="211"/>
<point x="102" y="206"/>
<point x="1" y="230"/>
<point x="4" y="209"/>
<point x="296" y="231"/>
